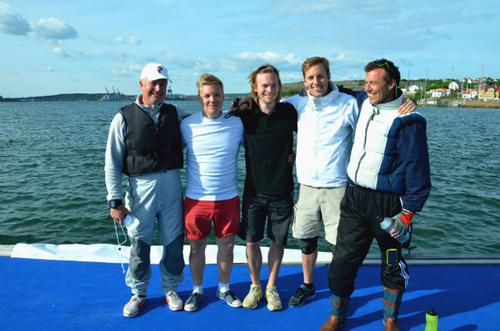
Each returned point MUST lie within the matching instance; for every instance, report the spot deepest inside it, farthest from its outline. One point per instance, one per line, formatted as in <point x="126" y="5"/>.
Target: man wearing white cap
<point x="144" y="143"/>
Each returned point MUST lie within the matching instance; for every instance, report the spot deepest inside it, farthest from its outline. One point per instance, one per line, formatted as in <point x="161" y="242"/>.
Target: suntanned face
<point x="211" y="99"/>
<point x="153" y="91"/>
<point x="316" y="80"/>
<point x="378" y="90"/>
<point x="267" y="87"/>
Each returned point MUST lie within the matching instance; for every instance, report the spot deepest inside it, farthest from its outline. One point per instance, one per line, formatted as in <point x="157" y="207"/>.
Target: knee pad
<point x="308" y="246"/>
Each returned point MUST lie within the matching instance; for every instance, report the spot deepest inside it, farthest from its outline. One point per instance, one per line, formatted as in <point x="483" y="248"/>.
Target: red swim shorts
<point x="198" y="217"/>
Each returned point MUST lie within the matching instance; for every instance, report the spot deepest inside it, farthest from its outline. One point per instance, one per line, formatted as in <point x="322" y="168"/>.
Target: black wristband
<point x="115" y="203"/>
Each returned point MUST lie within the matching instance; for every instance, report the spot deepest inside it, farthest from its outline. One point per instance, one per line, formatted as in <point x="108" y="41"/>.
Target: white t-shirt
<point x="212" y="147"/>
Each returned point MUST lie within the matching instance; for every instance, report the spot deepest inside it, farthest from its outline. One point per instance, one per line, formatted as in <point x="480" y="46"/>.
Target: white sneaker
<point x="133" y="307"/>
<point x="229" y="297"/>
<point x="174" y="301"/>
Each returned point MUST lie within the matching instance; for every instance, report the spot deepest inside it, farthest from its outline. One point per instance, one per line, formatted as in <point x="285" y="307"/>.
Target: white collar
<point x="317" y="102"/>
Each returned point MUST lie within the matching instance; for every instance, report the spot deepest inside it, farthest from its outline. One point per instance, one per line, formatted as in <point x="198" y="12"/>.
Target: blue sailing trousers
<point x="156" y="200"/>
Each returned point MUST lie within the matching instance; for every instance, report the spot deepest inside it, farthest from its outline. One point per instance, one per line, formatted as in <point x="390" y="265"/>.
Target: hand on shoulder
<point x="241" y="105"/>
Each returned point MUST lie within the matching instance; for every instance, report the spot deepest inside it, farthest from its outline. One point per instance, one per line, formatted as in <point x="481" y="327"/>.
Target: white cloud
<point x="85" y="53"/>
<point x="12" y="22"/>
<point x="130" y="40"/>
<point x="314" y="6"/>
<point x="134" y="67"/>
<point x="340" y="7"/>
<point x="56" y="42"/>
<point x="251" y="60"/>
<point x="345" y="65"/>
<point x="144" y="58"/>
<point x="198" y="63"/>
<point x="60" y="51"/>
<point x="291" y="77"/>
<point x="53" y="29"/>
<point x="48" y="69"/>
<point x="205" y="64"/>
<point x="264" y="56"/>
<point x="133" y="40"/>
<point x="229" y="67"/>
<point x="120" y="72"/>
<point x="241" y="63"/>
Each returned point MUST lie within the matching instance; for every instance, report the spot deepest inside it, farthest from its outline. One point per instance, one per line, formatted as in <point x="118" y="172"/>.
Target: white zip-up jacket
<point x="390" y="153"/>
<point x="324" y="137"/>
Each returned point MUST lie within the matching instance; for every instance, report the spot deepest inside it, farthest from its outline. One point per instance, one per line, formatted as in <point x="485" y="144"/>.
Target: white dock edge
<point x="6" y="250"/>
<point x="111" y="254"/>
<point x="108" y="253"/>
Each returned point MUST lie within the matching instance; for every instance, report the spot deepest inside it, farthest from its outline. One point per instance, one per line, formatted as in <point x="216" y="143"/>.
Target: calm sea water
<point x="52" y="182"/>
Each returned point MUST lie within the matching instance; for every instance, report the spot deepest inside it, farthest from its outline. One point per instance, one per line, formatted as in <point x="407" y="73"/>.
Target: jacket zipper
<point x="364" y="143"/>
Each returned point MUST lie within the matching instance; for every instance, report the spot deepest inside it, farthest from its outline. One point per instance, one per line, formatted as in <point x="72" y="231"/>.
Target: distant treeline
<point x="287" y="90"/>
<point x="99" y="96"/>
<point x="358" y="85"/>
<point x="58" y="97"/>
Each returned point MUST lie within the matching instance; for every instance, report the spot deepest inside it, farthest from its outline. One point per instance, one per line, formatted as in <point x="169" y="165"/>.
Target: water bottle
<point x="387" y="224"/>
<point x="131" y="223"/>
<point x="431" y="320"/>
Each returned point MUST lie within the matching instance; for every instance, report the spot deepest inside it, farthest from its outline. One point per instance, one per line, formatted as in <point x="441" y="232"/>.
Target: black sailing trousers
<point x="361" y="209"/>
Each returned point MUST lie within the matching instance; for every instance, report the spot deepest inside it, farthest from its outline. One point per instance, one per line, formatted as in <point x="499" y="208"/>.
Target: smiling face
<point x="153" y="91"/>
<point x="211" y="99"/>
<point x="377" y="87"/>
<point x="267" y="87"/>
<point x="316" y="80"/>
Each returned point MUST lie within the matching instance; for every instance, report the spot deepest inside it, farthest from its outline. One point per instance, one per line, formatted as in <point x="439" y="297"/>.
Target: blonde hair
<point x="312" y="61"/>
<point x="208" y="79"/>
<point x="263" y="69"/>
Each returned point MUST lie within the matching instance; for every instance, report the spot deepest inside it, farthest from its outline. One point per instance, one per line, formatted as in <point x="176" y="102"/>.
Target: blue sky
<point x="65" y="46"/>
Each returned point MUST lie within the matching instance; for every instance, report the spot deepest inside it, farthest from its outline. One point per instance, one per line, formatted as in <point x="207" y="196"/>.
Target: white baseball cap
<point x="154" y="71"/>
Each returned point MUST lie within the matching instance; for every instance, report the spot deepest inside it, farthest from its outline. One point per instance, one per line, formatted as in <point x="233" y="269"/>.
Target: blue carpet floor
<point x="59" y="295"/>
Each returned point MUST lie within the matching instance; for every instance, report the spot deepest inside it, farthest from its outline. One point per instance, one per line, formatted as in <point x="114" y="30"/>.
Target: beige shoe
<point x="251" y="301"/>
<point x="273" y="299"/>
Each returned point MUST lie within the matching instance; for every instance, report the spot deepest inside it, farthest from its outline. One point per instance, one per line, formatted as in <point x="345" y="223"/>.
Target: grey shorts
<point x="315" y="206"/>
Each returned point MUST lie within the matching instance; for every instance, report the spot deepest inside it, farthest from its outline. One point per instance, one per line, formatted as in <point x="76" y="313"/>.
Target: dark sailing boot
<point x="391" y="324"/>
<point x="338" y="316"/>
